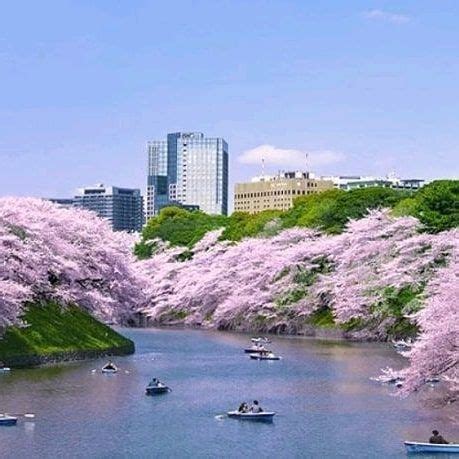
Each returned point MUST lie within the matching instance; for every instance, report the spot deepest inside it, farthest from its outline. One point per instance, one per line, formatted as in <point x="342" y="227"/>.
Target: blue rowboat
<point x="265" y="416"/>
<point x="416" y="447"/>
<point x="6" y="420"/>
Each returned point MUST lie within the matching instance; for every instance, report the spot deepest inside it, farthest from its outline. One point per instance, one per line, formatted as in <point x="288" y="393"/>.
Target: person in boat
<point x="256" y="408"/>
<point x="156" y="383"/>
<point x="437" y="439"/>
<point x="110" y="366"/>
<point x="243" y="408"/>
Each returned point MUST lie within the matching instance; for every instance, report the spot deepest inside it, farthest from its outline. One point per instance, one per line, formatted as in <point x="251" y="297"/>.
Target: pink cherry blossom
<point x="71" y="256"/>
<point x="253" y="285"/>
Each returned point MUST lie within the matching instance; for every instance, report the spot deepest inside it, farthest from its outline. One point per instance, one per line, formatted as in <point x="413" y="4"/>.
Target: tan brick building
<point x="276" y="192"/>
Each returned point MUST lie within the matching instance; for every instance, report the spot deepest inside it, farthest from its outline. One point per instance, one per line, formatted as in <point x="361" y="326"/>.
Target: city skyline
<point x="79" y="101"/>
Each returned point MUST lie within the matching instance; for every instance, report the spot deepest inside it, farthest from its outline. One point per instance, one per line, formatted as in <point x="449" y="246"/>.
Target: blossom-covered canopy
<point x="71" y="256"/>
<point x="277" y="284"/>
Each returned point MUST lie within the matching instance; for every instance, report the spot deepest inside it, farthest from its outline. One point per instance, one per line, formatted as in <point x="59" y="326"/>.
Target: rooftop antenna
<point x="263" y="167"/>
<point x="307" y="165"/>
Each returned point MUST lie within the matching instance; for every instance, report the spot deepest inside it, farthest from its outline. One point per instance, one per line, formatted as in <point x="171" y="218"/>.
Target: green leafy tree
<point x="242" y="224"/>
<point x="438" y="205"/>
<point x="330" y="210"/>
<point x="177" y="226"/>
<point x="406" y="207"/>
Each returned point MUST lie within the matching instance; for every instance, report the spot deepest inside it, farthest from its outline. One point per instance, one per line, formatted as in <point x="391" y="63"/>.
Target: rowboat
<point x="264" y="356"/>
<point x="157" y="389"/>
<point x="266" y="416"/>
<point x="402" y="345"/>
<point x="112" y="369"/>
<point x="416" y="447"/>
<point x="255" y="349"/>
<point x="261" y="339"/>
<point x="6" y="420"/>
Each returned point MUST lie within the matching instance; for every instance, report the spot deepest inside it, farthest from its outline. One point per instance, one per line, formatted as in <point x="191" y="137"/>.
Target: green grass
<point x="52" y="330"/>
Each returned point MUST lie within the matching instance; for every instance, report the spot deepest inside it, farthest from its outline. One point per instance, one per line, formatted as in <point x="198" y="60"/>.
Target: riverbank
<point x="319" y="325"/>
<point x="53" y="335"/>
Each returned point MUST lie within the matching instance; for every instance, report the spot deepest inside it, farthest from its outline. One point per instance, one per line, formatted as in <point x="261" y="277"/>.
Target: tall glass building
<point x="197" y="172"/>
<point x="122" y="207"/>
<point x="157" y="194"/>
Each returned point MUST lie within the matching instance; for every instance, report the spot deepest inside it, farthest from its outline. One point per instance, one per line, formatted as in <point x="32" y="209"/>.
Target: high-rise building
<point x="276" y="192"/>
<point x="196" y="173"/>
<point x="122" y="207"/>
<point x="157" y="194"/>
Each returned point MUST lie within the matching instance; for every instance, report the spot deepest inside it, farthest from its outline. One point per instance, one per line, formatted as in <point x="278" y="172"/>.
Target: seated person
<point x="436" y="438"/>
<point x="243" y="408"/>
<point x="256" y="408"/>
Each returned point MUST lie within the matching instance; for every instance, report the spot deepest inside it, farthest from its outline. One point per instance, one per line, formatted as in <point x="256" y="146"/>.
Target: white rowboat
<point x="416" y="447"/>
<point x="266" y="416"/>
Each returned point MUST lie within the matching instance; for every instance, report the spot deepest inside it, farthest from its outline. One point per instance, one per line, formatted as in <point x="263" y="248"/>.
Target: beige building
<point x="278" y="192"/>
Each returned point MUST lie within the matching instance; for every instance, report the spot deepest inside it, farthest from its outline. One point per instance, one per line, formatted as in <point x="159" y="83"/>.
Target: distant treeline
<point x="436" y="205"/>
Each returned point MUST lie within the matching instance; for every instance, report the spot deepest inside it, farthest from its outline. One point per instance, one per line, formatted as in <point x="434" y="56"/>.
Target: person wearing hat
<point x="437" y="438"/>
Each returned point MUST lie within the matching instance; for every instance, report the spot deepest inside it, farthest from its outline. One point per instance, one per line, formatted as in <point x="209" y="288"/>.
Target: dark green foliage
<point x="291" y="297"/>
<point x="438" y="205"/>
<point x="304" y="278"/>
<point x="398" y="303"/>
<point x="356" y="323"/>
<point x="322" y="318"/>
<point x="402" y="328"/>
<point x="51" y="330"/>
<point x="184" y="256"/>
<point x="173" y="315"/>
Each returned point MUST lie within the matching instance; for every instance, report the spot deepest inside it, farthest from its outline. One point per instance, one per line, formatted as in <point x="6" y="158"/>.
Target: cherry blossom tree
<point x="71" y="256"/>
<point x="277" y="284"/>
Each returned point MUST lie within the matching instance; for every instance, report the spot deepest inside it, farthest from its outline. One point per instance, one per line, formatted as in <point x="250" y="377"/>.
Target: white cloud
<point x="380" y="15"/>
<point x="289" y="159"/>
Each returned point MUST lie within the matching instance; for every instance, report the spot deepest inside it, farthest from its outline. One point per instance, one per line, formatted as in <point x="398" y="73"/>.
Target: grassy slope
<point x="52" y="331"/>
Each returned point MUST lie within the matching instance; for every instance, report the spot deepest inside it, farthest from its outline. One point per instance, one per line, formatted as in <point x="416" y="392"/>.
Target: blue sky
<point x="365" y="87"/>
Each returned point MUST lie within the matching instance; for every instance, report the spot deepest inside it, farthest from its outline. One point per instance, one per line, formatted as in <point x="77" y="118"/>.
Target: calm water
<point x="326" y="404"/>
